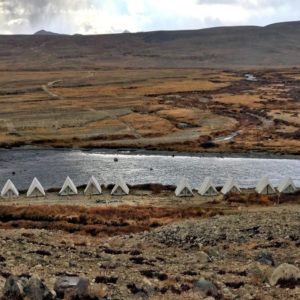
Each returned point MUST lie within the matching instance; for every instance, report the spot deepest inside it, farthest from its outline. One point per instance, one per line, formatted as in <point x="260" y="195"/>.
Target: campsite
<point x="149" y="150"/>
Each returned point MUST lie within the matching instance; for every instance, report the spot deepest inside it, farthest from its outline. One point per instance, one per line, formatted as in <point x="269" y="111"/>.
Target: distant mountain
<point x="45" y="32"/>
<point x="276" y="45"/>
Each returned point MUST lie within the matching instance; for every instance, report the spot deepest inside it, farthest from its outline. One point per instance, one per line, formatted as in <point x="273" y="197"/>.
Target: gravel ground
<point x="236" y="254"/>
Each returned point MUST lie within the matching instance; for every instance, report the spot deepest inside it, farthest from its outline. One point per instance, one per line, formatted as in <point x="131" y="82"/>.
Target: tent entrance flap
<point x="119" y="191"/>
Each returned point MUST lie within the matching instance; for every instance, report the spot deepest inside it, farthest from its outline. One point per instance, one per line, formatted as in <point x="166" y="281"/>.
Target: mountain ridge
<point x="45" y="32"/>
<point x="276" y="45"/>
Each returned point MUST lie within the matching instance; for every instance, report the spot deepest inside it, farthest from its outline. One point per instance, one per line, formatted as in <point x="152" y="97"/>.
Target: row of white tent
<point x="69" y="188"/>
<point x="183" y="189"/>
<point x="207" y="188"/>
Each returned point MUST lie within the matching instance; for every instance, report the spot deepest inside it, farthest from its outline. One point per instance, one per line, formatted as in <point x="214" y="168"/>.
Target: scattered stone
<point x="42" y="252"/>
<point x="154" y="264"/>
<point x="234" y="285"/>
<point x="154" y="274"/>
<point x="203" y="257"/>
<point x="72" y="264"/>
<point x="108" y="250"/>
<point x="5" y="273"/>
<point x="139" y="260"/>
<point x="135" y="252"/>
<point x="286" y="276"/>
<point x="206" y="288"/>
<point x="136" y="290"/>
<point x="106" y="279"/>
<point x="183" y="125"/>
<point x="265" y="258"/>
<point x="190" y="273"/>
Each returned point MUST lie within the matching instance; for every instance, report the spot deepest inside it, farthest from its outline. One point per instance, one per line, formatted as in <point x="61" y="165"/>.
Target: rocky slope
<point x="251" y="255"/>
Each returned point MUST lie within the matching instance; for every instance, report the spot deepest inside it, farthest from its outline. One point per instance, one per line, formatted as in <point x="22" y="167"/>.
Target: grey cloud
<point x="251" y="3"/>
<point x="31" y="15"/>
<point x="27" y="16"/>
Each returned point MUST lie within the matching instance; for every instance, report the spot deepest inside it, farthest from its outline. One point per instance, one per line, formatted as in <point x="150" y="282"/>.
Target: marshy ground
<point x="159" y="109"/>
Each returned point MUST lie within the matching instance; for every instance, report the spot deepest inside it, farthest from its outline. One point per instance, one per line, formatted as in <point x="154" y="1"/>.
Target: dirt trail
<point x="50" y="84"/>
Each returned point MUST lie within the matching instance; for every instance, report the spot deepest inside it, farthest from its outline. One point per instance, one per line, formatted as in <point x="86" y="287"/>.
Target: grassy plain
<point x="163" y="109"/>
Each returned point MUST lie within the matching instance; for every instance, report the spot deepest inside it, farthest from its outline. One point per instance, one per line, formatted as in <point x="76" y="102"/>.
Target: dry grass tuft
<point x="95" y="221"/>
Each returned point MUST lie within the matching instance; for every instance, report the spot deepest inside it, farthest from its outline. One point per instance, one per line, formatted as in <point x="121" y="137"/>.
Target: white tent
<point x="265" y="187"/>
<point x="120" y="188"/>
<point x="68" y="188"/>
<point x="207" y="188"/>
<point x="184" y="189"/>
<point x="9" y="190"/>
<point x="93" y="187"/>
<point x="286" y="186"/>
<point x="36" y="189"/>
<point x="230" y="186"/>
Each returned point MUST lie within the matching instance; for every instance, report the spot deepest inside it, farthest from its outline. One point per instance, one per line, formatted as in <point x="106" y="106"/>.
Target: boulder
<point x="37" y="290"/>
<point x="206" y="288"/>
<point x="14" y="288"/>
<point x="286" y="275"/>
<point x="71" y="285"/>
<point x="19" y="288"/>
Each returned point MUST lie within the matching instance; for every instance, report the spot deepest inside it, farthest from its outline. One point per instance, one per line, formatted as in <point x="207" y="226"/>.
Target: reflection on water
<point x="52" y="166"/>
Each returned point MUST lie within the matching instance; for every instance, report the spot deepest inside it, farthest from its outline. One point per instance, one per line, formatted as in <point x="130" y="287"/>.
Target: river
<point x="52" y="166"/>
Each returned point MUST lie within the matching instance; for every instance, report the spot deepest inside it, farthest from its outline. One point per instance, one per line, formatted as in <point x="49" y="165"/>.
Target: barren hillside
<point x="151" y="90"/>
<point x="275" y="45"/>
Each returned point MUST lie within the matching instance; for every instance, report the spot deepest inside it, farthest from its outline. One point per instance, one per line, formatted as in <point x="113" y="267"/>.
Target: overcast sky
<point x="107" y="16"/>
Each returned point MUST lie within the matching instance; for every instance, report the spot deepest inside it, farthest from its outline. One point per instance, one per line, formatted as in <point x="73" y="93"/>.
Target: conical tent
<point x="286" y="186"/>
<point x="120" y="188"/>
<point x="9" y="190"/>
<point x="184" y="189"/>
<point x="36" y="189"/>
<point x="93" y="187"/>
<point x="68" y="188"/>
<point x="207" y="188"/>
<point x="265" y="187"/>
<point x="230" y="186"/>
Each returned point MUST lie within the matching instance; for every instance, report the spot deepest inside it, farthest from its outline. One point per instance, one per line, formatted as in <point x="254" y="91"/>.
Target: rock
<point x="14" y="288"/>
<point x="74" y="285"/>
<point x="286" y="275"/>
<point x="183" y="125"/>
<point x="206" y="288"/>
<point x="22" y="288"/>
<point x="202" y="257"/>
<point x="265" y="258"/>
<point x="106" y="279"/>
<point x="37" y="290"/>
<point x="72" y="264"/>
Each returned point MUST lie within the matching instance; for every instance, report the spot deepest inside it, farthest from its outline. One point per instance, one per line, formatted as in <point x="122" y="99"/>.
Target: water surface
<point x="52" y="166"/>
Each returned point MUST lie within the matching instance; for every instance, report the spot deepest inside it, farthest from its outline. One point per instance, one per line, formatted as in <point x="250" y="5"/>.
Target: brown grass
<point x="141" y="108"/>
<point x="100" y="221"/>
<point x="251" y="198"/>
